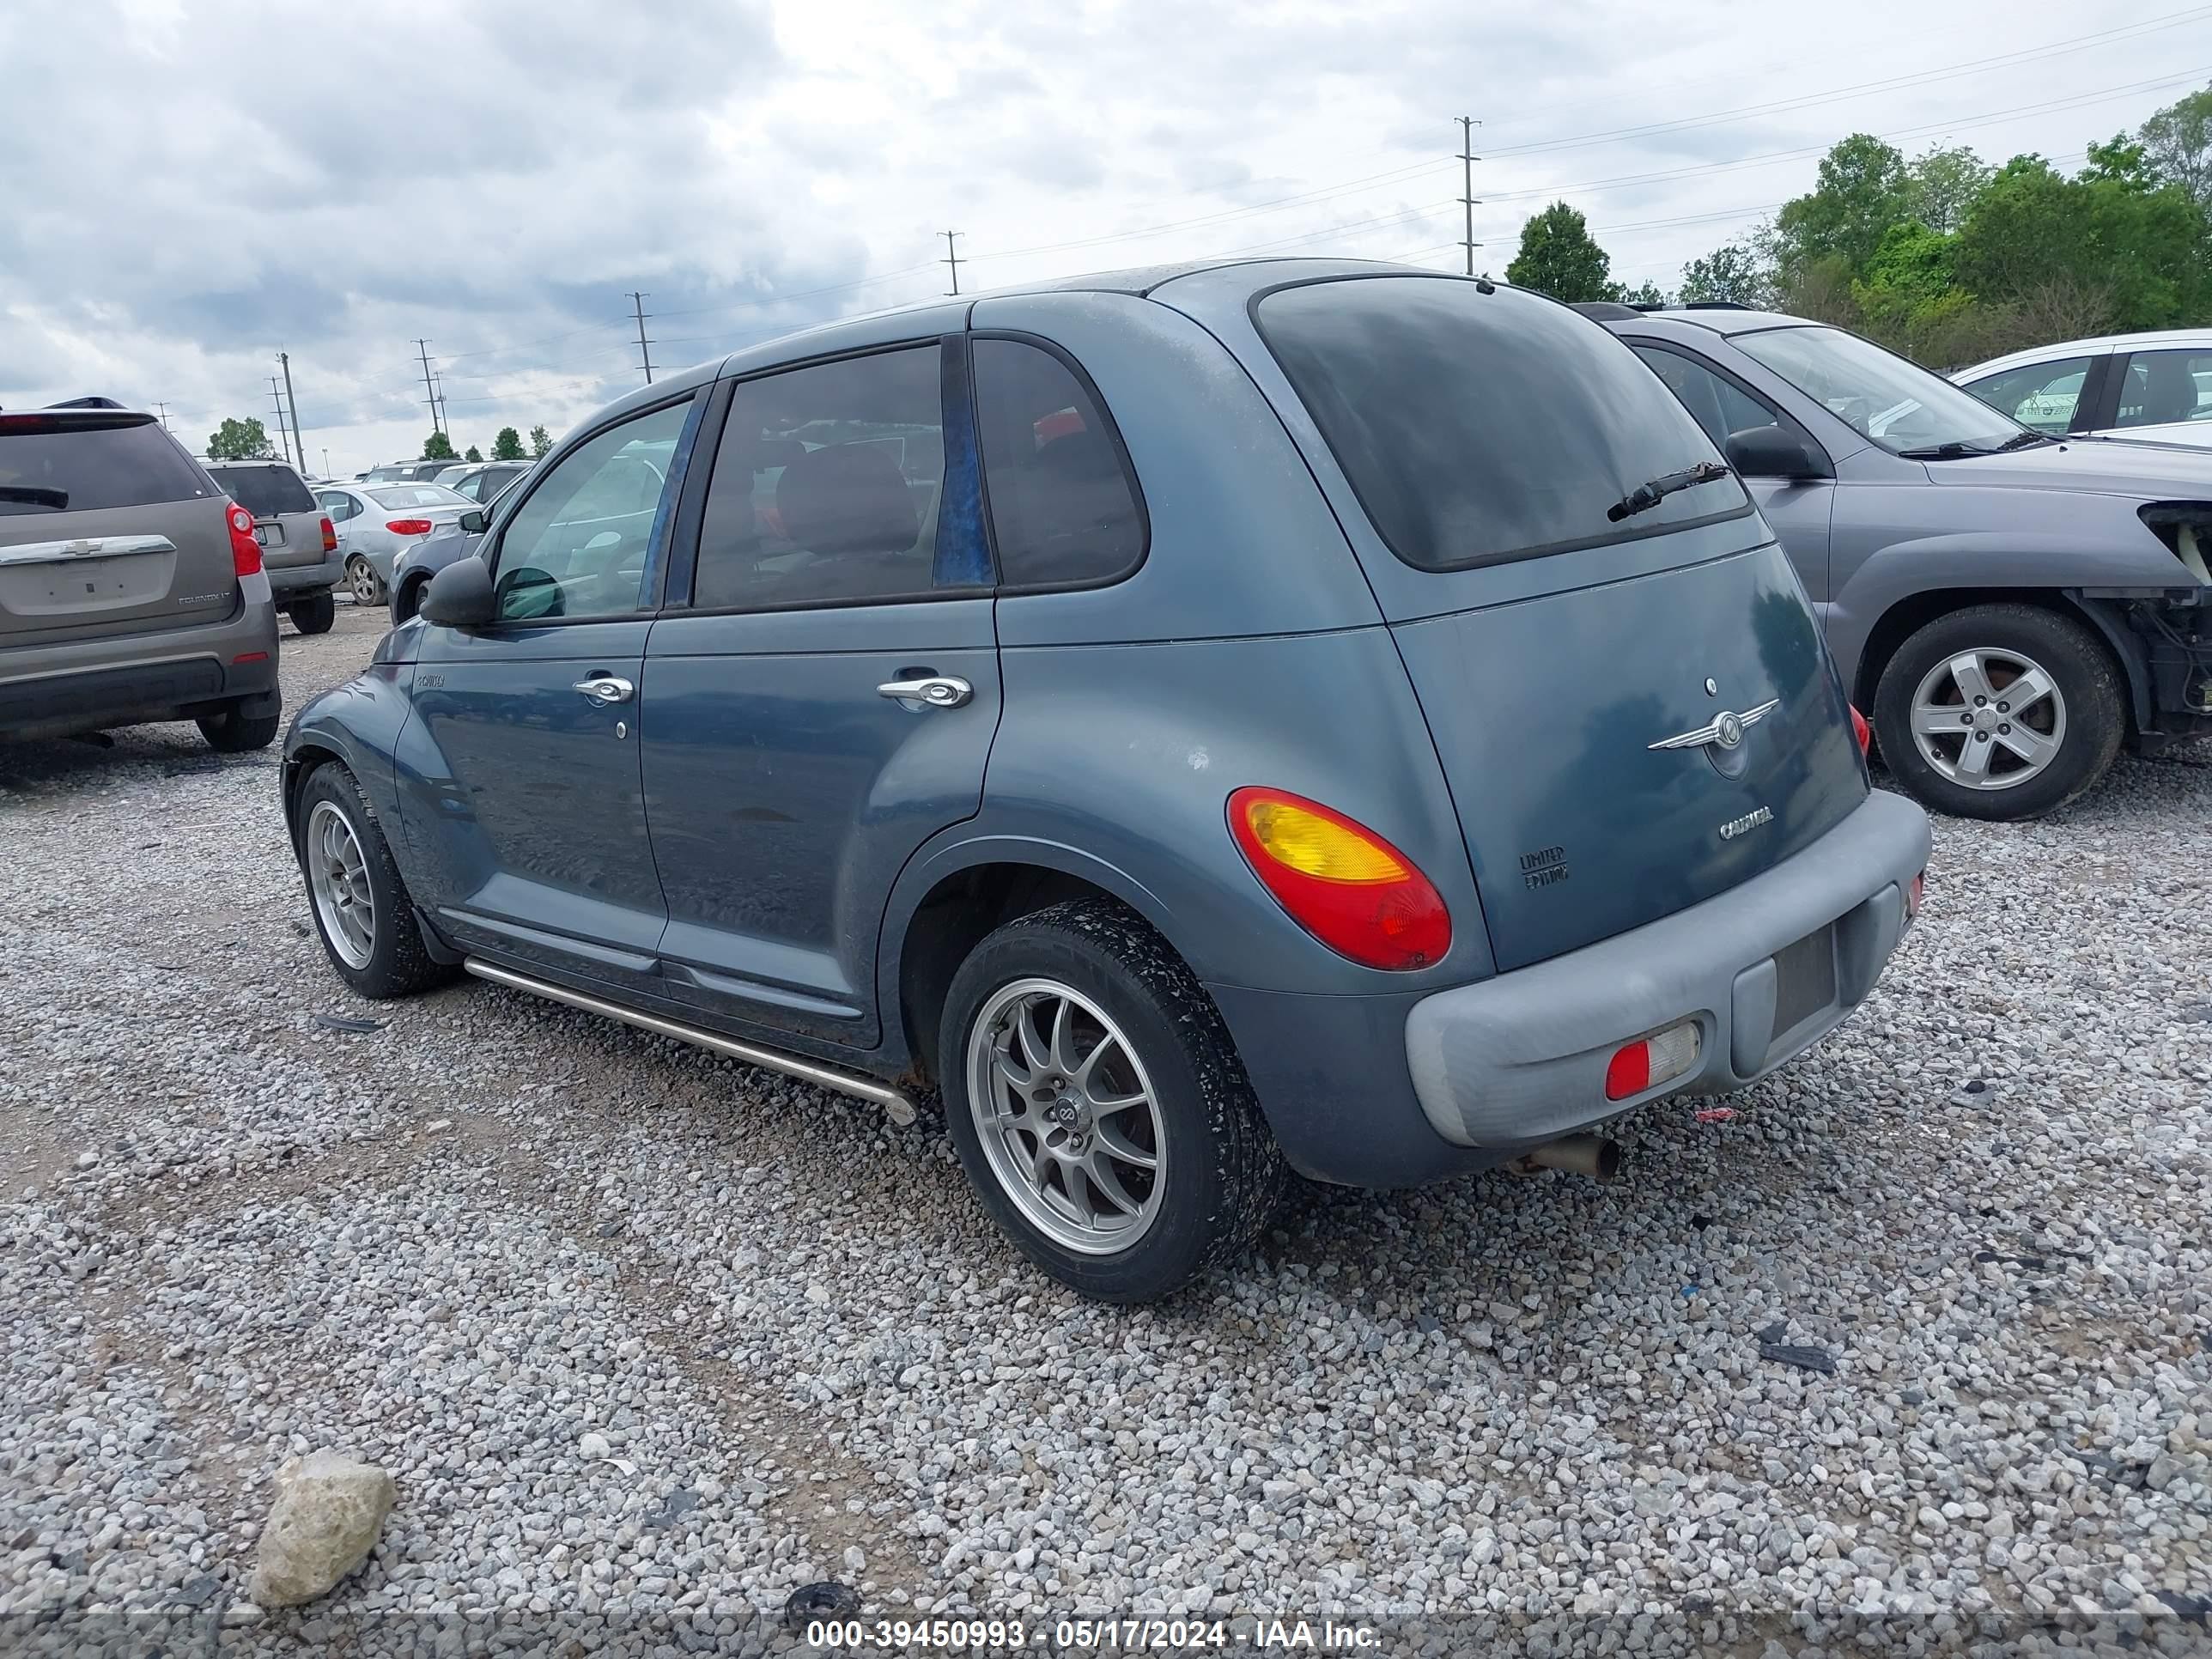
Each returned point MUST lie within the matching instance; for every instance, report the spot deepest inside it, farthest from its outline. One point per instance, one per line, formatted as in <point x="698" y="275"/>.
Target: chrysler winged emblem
<point x="1725" y="730"/>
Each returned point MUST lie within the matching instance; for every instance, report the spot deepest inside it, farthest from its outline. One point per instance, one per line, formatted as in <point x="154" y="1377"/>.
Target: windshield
<point x="1898" y="405"/>
<point x="419" y="496"/>
<point x="1479" y="426"/>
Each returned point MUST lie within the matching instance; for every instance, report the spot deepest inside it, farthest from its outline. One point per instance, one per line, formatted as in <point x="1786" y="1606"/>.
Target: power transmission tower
<point x="637" y="306"/>
<point x="952" y="257"/>
<point x="298" y="439"/>
<point x="429" y="391"/>
<point x="1468" y="123"/>
<point x="277" y="402"/>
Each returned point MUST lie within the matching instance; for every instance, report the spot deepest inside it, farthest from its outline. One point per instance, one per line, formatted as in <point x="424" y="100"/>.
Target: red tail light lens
<point x="408" y="526"/>
<point x="330" y="536"/>
<point x="1339" y="881"/>
<point x="245" y="551"/>
<point x="1861" y="730"/>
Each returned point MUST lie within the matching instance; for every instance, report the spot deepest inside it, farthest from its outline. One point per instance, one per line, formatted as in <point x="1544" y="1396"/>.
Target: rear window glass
<point x="1479" y="427"/>
<point x="417" y="495"/>
<point x="71" y="467"/>
<point x="265" y="491"/>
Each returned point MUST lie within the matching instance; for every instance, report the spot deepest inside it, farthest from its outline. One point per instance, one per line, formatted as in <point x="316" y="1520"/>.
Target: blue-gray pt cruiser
<point x="1203" y="722"/>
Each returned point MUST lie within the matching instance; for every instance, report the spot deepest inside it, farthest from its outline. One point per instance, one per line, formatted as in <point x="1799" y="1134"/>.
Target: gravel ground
<point x="648" y="1339"/>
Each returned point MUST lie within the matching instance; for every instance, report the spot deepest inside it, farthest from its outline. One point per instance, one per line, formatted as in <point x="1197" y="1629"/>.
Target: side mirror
<point x="1769" y="451"/>
<point x="473" y="521"/>
<point x="460" y="596"/>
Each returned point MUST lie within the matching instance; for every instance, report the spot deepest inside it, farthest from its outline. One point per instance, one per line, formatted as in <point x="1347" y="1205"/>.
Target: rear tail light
<point x="408" y="526"/>
<point x="245" y="551"/>
<point x="1912" y="889"/>
<point x="1650" y="1061"/>
<point x="1861" y="730"/>
<point x="1341" y="882"/>
<point x="330" y="536"/>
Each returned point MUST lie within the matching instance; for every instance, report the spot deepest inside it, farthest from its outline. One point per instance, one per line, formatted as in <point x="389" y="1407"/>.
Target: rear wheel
<point x="407" y="600"/>
<point x="1098" y="1105"/>
<point x="313" y="616"/>
<point x="360" y="576"/>
<point x="233" y="732"/>
<point x="360" y="904"/>
<point x="2000" y="711"/>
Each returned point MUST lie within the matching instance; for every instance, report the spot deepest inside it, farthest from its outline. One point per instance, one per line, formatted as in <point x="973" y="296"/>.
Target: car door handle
<point x="936" y="691"/>
<point x="605" y="689"/>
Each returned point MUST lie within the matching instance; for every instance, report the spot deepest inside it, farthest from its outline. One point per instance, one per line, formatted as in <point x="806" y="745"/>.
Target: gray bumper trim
<point x="1521" y="1058"/>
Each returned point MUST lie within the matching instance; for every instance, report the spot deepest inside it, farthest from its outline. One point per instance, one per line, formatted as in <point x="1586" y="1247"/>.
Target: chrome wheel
<point x="1066" y="1115"/>
<point x="337" y="875"/>
<point x="1989" y="718"/>
<point x="360" y="576"/>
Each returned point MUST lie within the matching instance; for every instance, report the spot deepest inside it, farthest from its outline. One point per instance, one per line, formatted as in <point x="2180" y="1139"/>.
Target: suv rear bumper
<point x="89" y="684"/>
<point x="1519" y="1059"/>
<point x="297" y="582"/>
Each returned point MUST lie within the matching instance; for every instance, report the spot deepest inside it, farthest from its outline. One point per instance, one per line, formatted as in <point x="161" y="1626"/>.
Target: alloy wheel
<point x="1066" y="1116"/>
<point x="337" y="875"/>
<point x="362" y="576"/>
<point x="1989" y="718"/>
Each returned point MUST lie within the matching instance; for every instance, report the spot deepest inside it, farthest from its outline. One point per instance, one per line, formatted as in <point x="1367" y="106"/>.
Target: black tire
<point x="2089" y="688"/>
<point x="367" y="587"/>
<point x="407" y="600"/>
<point x="1222" y="1177"/>
<point x="232" y="732"/>
<point x="313" y="616"/>
<point x="397" y="965"/>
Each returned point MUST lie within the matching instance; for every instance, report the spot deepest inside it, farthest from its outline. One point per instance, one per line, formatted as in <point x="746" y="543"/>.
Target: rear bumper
<point x="300" y="580"/>
<point x="88" y="684"/>
<point x="1521" y="1059"/>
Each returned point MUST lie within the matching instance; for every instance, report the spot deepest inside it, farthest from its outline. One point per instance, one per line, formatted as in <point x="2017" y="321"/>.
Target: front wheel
<point x="2000" y="711"/>
<point x="359" y="901"/>
<point x="360" y="576"/>
<point x="1099" y="1107"/>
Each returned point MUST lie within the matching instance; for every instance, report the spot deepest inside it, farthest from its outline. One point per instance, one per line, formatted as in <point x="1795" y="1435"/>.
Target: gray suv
<point x="131" y="587"/>
<point x="1201" y="721"/>
<point x="299" y="543"/>
<point x="2011" y="608"/>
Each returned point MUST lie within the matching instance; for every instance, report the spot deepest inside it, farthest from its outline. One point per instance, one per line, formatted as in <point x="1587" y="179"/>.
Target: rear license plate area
<point x="268" y="535"/>
<point x="1804" y="979"/>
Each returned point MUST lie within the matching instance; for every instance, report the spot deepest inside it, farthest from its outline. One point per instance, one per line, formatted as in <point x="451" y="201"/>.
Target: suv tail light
<point x="330" y="535"/>
<point x="408" y="526"/>
<point x="245" y="551"/>
<point x="1861" y="730"/>
<point x="1339" y="881"/>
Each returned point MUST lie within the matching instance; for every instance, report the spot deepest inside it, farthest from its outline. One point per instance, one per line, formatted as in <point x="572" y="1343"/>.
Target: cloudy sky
<point x="193" y="185"/>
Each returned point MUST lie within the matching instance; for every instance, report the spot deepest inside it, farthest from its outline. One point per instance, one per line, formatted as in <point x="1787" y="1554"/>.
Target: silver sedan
<point x="378" y="522"/>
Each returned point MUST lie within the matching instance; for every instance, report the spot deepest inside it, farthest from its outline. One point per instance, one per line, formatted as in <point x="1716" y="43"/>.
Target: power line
<point x="644" y="345"/>
<point x="1468" y="158"/>
<point x="952" y="258"/>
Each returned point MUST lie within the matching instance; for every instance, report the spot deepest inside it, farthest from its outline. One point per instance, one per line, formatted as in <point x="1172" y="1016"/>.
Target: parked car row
<point x="2156" y="387"/>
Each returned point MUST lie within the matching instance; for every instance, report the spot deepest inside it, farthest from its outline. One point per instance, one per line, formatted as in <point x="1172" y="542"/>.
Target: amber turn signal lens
<point x="1340" y="881"/>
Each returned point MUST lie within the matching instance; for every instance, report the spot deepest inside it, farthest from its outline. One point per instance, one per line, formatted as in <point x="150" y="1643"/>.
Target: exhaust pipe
<point x="1597" y="1157"/>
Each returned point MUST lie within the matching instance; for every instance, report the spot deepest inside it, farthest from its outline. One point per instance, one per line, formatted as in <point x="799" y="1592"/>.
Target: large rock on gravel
<point x="328" y="1511"/>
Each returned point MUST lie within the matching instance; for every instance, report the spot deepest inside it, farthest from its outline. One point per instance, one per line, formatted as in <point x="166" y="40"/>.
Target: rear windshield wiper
<point x="35" y="495"/>
<point x="1646" y="496"/>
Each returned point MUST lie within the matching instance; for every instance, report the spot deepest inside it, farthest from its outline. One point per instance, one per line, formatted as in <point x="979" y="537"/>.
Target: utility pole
<point x="429" y="391"/>
<point x="299" y="440"/>
<point x="163" y="410"/>
<point x="644" y="345"/>
<point x="277" y="402"/>
<point x="1468" y="123"/>
<point x="439" y="376"/>
<point x="326" y="461"/>
<point x="952" y="257"/>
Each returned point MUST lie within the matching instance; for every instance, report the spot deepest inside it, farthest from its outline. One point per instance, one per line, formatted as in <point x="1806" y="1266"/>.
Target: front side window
<point x="1717" y="403"/>
<point x="1881" y="396"/>
<point x="1064" y="508"/>
<point x="2043" y="395"/>
<point x="826" y="486"/>
<point x="577" y="547"/>
<point x="1478" y="427"/>
<point x="2162" y="388"/>
<point x="339" y="505"/>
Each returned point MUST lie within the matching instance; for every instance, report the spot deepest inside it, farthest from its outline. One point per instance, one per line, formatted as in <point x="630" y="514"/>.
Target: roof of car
<point x="2168" y="336"/>
<point x="1724" y="319"/>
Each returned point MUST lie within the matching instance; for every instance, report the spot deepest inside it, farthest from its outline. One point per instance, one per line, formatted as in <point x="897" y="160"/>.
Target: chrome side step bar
<point x="897" y="1105"/>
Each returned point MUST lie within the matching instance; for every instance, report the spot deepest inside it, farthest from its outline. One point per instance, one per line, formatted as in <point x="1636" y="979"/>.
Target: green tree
<point x="474" y="454"/>
<point x="2179" y="140"/>
<point x="439" y="447"/>
<point x="1940" y="184"/>
<point x="241" y="441"/>
<point x="1646" y="293"/>
<point x="2034" y="234"/>
<point x="507" y="445"/>
<point x="1863" y="191"/>
<point x="2121" y="161"/>
<point x="540" y="441"/>
<point x="1735" y="272"/>
<point x="1558" y="257"/>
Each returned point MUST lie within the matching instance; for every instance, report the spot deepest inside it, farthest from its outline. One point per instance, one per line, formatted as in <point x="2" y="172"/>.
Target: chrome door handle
<point x="605" y="689"/>
<point x="936" y="691"/>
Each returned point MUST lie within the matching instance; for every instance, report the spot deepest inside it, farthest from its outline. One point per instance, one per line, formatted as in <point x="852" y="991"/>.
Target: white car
<point x="2153" y="386"/>
<point x="378" y="522"/>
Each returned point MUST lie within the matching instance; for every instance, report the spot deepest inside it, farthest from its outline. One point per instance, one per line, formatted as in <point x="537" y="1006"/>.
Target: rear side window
<point x="2164" y="387"/>
<point x="1478" y="427"/>
<point x="826" y="486"/>
<point x="55" y="466"/>
<point x="265" y="491"/>
<point x="1063" y="505"/>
